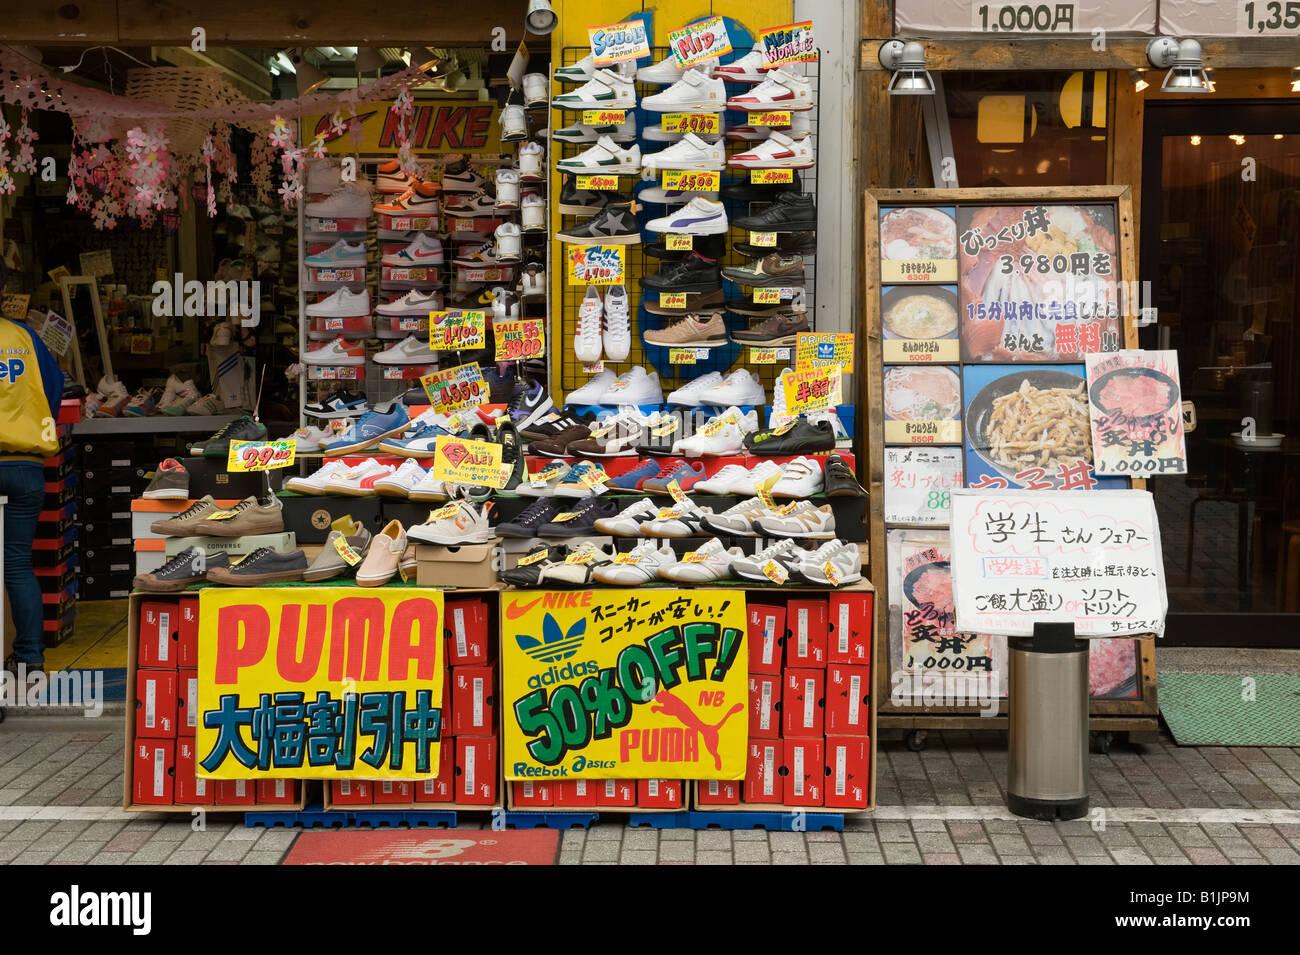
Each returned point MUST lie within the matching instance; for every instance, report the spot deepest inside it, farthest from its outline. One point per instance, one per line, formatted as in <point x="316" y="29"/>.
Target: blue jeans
<point x="24" y="485"/>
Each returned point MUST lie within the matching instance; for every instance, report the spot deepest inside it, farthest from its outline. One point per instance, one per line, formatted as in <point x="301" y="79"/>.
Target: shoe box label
<point x="153" y="772"/>
<point x="352" y="792"/>
<point x="577" y="792"/>
<point x="155" y="704"/>
<point x="473" y="698"/>
<point x="276" y="792"/>
<point x="766" y="625"/>
<point x="616" y="792"/>
<point x="187" y="651"/>
<point x="718" y="792"/>
<point x="848" y="765"/>
<point x="851" y="619"/>
<point x="442" y="787"/>
<point x="762" y="779"/>
<point x="467" y="632"/>
<point x="848" y="700"/>
<point x="529" y="793"/>
<point x="160" y="634"/>
<point x="187" y="717"/>
<point x="808" y="633"/>
<point x="765" y="705"/>
<point x="394" y="792"/>
<point x="236" y="792"/>
<point x="802" y="702"/>
<point x="802" y="770"/>
<point x="659" y="793"/>
<point x="476" y="770"/>
<point x="190" y="790"/>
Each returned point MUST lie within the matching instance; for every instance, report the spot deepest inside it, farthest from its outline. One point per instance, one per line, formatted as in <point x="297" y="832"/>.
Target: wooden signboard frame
<point x="1106" y="714"/>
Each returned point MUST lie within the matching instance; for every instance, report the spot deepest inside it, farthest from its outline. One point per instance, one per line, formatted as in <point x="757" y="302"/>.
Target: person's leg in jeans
<point x="24" y="486"/>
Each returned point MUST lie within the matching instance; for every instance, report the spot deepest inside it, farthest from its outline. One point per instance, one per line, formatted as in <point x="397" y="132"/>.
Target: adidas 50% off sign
<point x="452" y="389"/>
<point x="260" y="455"/>
<point x="813" y="390"/>
<point x="519" y="340"/>
<point x="455" y="330"/>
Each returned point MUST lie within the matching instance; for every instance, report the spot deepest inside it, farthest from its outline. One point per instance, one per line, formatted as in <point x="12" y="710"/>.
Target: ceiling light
<point x="907" y="62"/>
<point x="369" y="60"/>
<point x="1182" y="58"/>
<point x="422" y="57"/>
<point x="1237" y="138"/>
<point x="310" y="77"/>
<point x="1277" y="135"/>
<point x="540" y="19"/>
<point x="1196" y="140"/>
<point x="284" y="63"/>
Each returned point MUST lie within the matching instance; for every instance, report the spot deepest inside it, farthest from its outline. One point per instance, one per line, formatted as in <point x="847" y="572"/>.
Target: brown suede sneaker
<point x="249" y="516"/>
<point x="182" y="524"/>
<point x="693" y="331"/>
<point x="771" y="270"/>
<point x="777" y="330"/>
<point x="558" y="446"/>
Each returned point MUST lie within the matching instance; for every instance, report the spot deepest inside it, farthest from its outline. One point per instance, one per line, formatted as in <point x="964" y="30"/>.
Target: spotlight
<point x="1182" y="58"/>
<point x="541" y="19"/>
<point x="907" y="62"/>
<point x="422" y="57"/>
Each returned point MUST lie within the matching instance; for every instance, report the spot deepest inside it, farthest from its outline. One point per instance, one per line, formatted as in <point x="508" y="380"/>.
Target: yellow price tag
<point x="627" y="557"/>
<point x="452" y="389"/>
<point x="599" y="183"/>
<point x="668" y="513"/>
<point x="686" y="356"/>
<point x="775" y="572"/>
<point x="566" y="516"/>
<point x="666" y="427"/>
<point x="770" y="117"/>
<point x="706" y="123"/>
<point x="593" y="477"/>
<point x="764" y="240"/>
<point x="347" y="551"/>
<point x="764" y="489"/>
<point x="455" y="330"/>
<point x="534" y="557"/>
<point x="812" y="390"/>
<point x="692" y="180"/>
<point x="768" y="177"/>
<point x="444" y="512"/>
<point x="672" y="299"/>
<point x="767" y="296"/>
<point x="586" y="557"/>
<point x="462" y="461"/>
<point x="520" y="340"/>
<point x="694" y="557"/>
<point x="603" y="117"/>
<point x="768" y="356"/>
<point x="831" y="574"/>
<point x="260" y="455"/>
<point x="675" y="489"/>
<point x="678" y="243"/>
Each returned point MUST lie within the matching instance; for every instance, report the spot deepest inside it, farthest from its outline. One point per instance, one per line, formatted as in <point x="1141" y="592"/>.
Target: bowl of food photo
<point x="1031" y="418"/>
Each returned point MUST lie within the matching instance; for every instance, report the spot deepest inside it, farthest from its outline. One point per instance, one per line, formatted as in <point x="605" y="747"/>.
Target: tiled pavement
<point x="1153" y="803"/>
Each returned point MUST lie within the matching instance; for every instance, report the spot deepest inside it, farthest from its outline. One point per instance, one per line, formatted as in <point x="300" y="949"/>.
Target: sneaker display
<point x="262" y="566"/>
<point x="350" y="200"/>
<point x="722" y="435"/>
<point x="333" y="559"/>
<point x="529" y="404"/>
<point x="419" y="199"/>
<point x="779" y="330"/>
<point x="739" y="519"/>
<point x="207" y="405"/>
<point x="424" y="250"/>
<point x="532" y="166"/>
<point x="576" y="569"/>
<point x="532" y="218"/>
<point x="750" y="68"/>
<point x="840" y="479"/>
<point x="383" y="556"/>
<point x="514" y="123"/>
<point x="512" y="456"/>
<point x="579" y="519"/>
<point x="143" y="404"/>
<point x="414" y="302"/>
<point x="314" y="483"/>
<point x="844" y="560"/>
<point x="779" y="90"/>
<point x="711" y="561"/>
<point x="672" y="197"/>
<point x="578" y="72"/>
<point x="171" y="482"/>
<point x="371" y="428"/>
<point x="558" y="446"/>
<point x="343" y="303"/>
<point x="789" y="212"/>
<point x="392" y="180"/>
<point x="806" y="520"/>
<point x="688" y="395"/>
<point x="249" y="516"/>
<point x="694" y="273"/>
<point x="540" y="512"/>
<point x="550" y="425"/>
<point x="634" y="387"/>
<point x="751" y="568"/>
<point x="698" y="217"/>
<point x="627" y="522"/>
<point x="666" y="71"/>
<point x="771" y="270"/>
<point x="507" y="189"/>
<point x="467" y="180"/>
<point x="483" y="255"/>
<point x="729" y="480"/>
<point x="741" y="387"/>
<point x="747" y="191"/>
<point x="181" y="525"/>
<point x="584" y="202"/>
<point x="689" y="152"/>
<point x="190" y="566"/>
<point x="177" y="396"/>
<point x="573" y="485"/>
<point x="464" y="523"/>
<point x="680" y="520"/>
<point x="337" y="352"/>
<point x="686" y="475"/>
<point x="759" y="473"/>
<point x="613" y="225"/>
<point x="778" y="151"/>
<point x="799" y="478"/>
<point x="339" y="254"/>
<point x="593" y="390"/>
<point x="617" y="336"/>
<point x="242" y="428"/>
<point x="477" y="205"/>
<point x="338" y="405"/>
<point x="694" y="91"/>
<point x="545" y="481"/>
<point x="624" y="132"/>
<point x="614" y="436"/>
<point x="606" y="156"/>
<point x="605" y="89"/>
<point x="693" y="331"/>
<point x="358" y="481"/>
<point x="641" y="565"/>
<point x="323" y="176"/>
<point x="798" y="437"/>
<point x="587" y="340"/>
<point x="421" y="439"/>
<point x="536" y="90"/>
<point x="526" y="575"/>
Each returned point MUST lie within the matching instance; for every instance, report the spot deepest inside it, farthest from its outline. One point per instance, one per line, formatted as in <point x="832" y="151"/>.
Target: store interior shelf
<point x="156" y="424"/>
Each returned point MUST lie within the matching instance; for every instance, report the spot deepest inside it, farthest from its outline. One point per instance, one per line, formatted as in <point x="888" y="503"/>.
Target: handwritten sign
<point x="919" y="483"/>
<point x="692" y="180"/>
<point x="706" y="123"/>
<point x="452" y="389"/>
<point x="597" y="264"/>
<point x="260" y="455"/>
<point x="462" y="461"/>
<point x="603" y="117"/>
<point x="768" y="177"/>
<point x="618" y="41"/>
<point x="519" y="340"/>
<point x="14" y="306"/>
<point x="791" y="43"/>
<point x="811" y="390"/>
<point x="97" y="264"/>
<point x="1094" y="560"/>
<point x="822" y="349"/>
<point x="1135" y="404"/>
<point x="699" y="41"/>
<point x="456" y="329"/>
<point x="603" y="183"/>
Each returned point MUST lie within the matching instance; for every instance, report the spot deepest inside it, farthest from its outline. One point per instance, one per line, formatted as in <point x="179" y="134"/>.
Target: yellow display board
<point x="437" y="126"/>
<point x="319" y="683"/>
<point x="624" y="684"/>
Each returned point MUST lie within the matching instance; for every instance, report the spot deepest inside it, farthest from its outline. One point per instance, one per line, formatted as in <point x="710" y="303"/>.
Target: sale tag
<point x="669" y="513"/>
<point x="686" y="356"/>
<point x="452" y="389"/>
<point x="585" y="557"/>
<point x="564" y="516"/>
<point x="767" y="296"/>
<point x="463" y="461"/>
<point x="457" y="329"/>
<point x="462" y="225"/>
<point x="675" y="489"/>
<point x="698" y="123"/>
<point x="775" y="572"/>
<point x="699" y="41"/>
<point x="593" y="477"/>
<point x="764" y="240"/>
<point x="603" y="117"/>
<point x="786" y="508"/>
<point x="618" y="41"/>
<point x="605" y="183"/>
<point x="694" y="557"/>
<point x="260" y="455"/>
<point x="534" y="557"/>
<point x="519" y="340"/>
<point x="823" y="349"/>
<point x="672" y="299"/>
<point x="678" y="243"/>
<point x="627" y="557"/>
<point x="666" y="427"/>
<point x="768" y="177"/>
<point x="595" y="368"/>
<point x="347" y="551"/>
<point x="764" y="488"/>
<point x="812" y="390"/>
<point x="770" y="117"/>
<point x="768" y="356"/>
<point x="831" y="573"/>
<point x="444" y="512"/>
<point x="791" y="43"/>
<point x="692" y="180"/>
<point x="596" y="264"/>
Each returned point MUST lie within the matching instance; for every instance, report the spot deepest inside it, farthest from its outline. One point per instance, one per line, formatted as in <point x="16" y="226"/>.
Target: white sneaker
<point x="624" y="132"/>
<point x="544" y="482"/>
<point x="594" y="390"/>
<point x="514" y="123"/>
<point x="738" y="520"/>
<point x="605" y="156"/>
<point x="845" y="562"/>
<point x="759" y="473"/>
<point x="422" y="251"/>
<point x="800" y="126"/>
<point x="409" y="351"/>
<point x="414" y="302"/>
<point x="339" y="254"/>
<point x="400" y="482"/>
<point x="358" y="481"/>
<point x="725" y="481"/>
<point x="634" y="387"/>
<point x="507" y="181"/>
<point x="618" y="331"/>
<point x="605" y="90"/>
<point x="667" y="71"/>
<point x="581" y="71"/>
<point x="751" y="568"/>
<point x="351" y="200"/>
<point x="638" y="566"/>
<point x="806" y="520"/>
<point x="531" y="156"/>
<point x="721" y="435"/>
<point x="627" y="522"/>
<point x="309" y="440"/>
<point x="337" y="352"/>
<point x="505" y="305"/>
<point x="741" y="387"/>
<point x="683" y="520"/>
<point x="698" y="217"/>
<point x="690" y="152"/>
<point x="799" y="478"/>
<point x="420" y="199"/>
<point x="688" y="395"/>
<point x="779" y="415"/>
<point x="392" y="180"/>
<point x="467" y="180"/>
<point x="342" y="304"/>
<point x="778" y="151"/>
<point x="429" y="488"/>
<point x="536" y="89"/>
<point x="314" y="483"/>
<point x="750" y="68"/>
<point x="466" y="525"/>
<point x="711" y="562"/>
<point x="483" y="255"/>
<point x="509" y="244"/>
<point x="323" y="176"/>
<point x="694" y="90"/>
<point x="575" y="571"/>
<point x="532" y="213"/>
<point x="780" y="90"/>
<point x="587" y="339"/>
<point x="532" y="281"/>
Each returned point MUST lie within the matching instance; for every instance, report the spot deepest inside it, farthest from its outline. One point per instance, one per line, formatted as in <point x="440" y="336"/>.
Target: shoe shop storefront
<point x="470" y="404"/>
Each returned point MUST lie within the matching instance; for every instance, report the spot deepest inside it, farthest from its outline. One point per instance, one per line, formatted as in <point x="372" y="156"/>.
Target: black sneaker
<point x="241" y="429"/>
<point x="530" y="402"/>
<point x="582" y="202"/>
<point x="530" y="519"/>
<point x="713" y="246"/>
<point x="695" y="273"/>
<point x="586" y="512"/>
<point x="789" y="212"/>
<point x="340" y="404"/>
<point x="840" y="479"/>
<point x="512" y="453"/>
<point x="746" y="191"/>
<point x="797" y="437"/>
<point x="263" y="566"/>
<point x="548" y="428"/>
<point x="190" y="566"/>
<point x="614" y="225"/>
<point x="526" y="576"/>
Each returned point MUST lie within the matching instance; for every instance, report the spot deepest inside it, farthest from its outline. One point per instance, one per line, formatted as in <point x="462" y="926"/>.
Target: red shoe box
<point x="718" y="792"/>
<point x="802" y="703"/>
<point x="803" y="766"/>
<point x="187" y="654"/>
<point x="762" y="771"/>
<point x="765" y="705"/>
<point x="236" y="792"/>
<point x="848" y="765"/>
<point x="155" y="704"/>
<point x="528" y="794"/>
<point x="659" y="793"/>
<point x="616" y="792"/>
<point x="276" y="792"/>
<point x="448" y="727"/>
<point x="467" y="632"/>
<point x="394" y="792"/>
<point x="160" y="634"/>
<point x="850" y="620"/>
<point x="439" y="788"/>
<point x="153" y="776"/>
<point x="476" y="770"/>
<point x="766" y="633"/>
<point x="351" y="792"/>
<point x="187" y="689"/>
<point x="806" y="619"/>
<point x="472" y="695"/>
<point x="190" y="790"/>
<point x="576" y="792"/>
<point x="848" y="700"/>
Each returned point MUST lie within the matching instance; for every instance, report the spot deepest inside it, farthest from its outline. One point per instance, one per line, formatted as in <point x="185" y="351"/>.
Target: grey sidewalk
<point x="1154" y="803"/>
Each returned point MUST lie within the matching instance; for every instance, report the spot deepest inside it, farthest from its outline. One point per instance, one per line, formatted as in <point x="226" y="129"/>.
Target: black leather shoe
<point x="789" y="212"/>
<point x="801" y="438"/>
<point x="695" y="273"/>
<point x="840" y="479"/>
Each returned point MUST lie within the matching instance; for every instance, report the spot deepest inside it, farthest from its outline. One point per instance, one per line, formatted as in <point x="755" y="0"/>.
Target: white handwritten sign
<point x="1091" y="559"/>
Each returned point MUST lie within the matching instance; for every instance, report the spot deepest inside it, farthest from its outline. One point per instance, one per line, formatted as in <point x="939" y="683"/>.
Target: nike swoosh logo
<point x="514" y="611"/>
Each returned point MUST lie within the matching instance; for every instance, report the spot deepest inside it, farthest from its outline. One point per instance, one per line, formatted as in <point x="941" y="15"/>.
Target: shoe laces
<point x="184" y="557"/>
<point x="193" y="509"/>
<point x="254" y="557"/>
<point x="533" y="513"/>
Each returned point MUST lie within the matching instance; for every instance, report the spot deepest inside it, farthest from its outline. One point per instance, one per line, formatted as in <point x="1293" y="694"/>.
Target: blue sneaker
<point x="630" y="480"/>
<point x="684" y="474"/>
<point x="371" y="428"/>
<point x="421" y="438"/>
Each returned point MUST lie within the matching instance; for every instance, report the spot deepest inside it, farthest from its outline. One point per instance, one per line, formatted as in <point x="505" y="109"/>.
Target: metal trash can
<point x="1047" y="747"/>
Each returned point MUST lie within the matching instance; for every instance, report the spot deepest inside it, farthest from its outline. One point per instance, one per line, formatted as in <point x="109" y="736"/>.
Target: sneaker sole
<point x="390" y="490"/>
<point x="622" y="169"/>
<point x="801" y="535"/>
<point x="352" y="491"/>
<point x="697" y="343"/>
<point x="701" y="165"/>
<point x="801" y="225"/>
<point x="220" y="575"/>
<point x="735" y="163"/>
<point x="174" y="494"/>
<point x="426" y="497"/>
<point x="216" y="529"/>
<point x="719" y="529"/>
<point x="766" y="281"/>
<point x="666" y="573"/>
<point x="781" y="341"/>
<point x="315" y="576"/>
<point x="152" y="586"/>
<point x="309" y="491"/>
<point x="632" y="239"/>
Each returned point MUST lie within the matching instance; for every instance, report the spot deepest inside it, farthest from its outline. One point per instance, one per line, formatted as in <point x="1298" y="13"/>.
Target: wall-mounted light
<point x="1295" y="80"/>
<point x="540" y="19"/>
<point x="907" y="62"/>
<point x="1182" y="58"/>
<point x="422" y="57"/>
<point x="1139" y="81"/>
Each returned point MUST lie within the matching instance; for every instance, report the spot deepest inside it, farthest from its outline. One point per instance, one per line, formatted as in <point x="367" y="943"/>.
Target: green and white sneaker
<point x="624" y="132"/>
<point x="605" y="157"/>
<point x="605" y="89"/>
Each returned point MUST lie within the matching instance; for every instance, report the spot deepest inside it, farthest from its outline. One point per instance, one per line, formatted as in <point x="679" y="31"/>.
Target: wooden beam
<point x="61" y="23"/>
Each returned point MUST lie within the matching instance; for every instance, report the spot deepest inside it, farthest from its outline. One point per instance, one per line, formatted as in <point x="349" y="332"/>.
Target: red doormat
<point x="426" y="847"/>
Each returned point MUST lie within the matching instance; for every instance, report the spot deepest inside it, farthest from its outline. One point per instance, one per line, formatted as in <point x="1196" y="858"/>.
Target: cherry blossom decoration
<point x="283" y="137"/>
<point x="6" y="177"/>
<point x="404" y="110"/>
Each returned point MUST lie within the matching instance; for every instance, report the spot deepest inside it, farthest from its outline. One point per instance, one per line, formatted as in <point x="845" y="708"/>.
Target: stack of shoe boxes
<point x="54" y="547"/>
<point x="627" y="794"/>
<point x="110" y="478"/>
<point x="809" y="705"/>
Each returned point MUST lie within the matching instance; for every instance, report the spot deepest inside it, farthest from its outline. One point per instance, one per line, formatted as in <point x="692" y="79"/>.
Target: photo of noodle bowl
<point x="927" y="312"/>
<point x="922" y="393"/>
<point x="917" y="233"/>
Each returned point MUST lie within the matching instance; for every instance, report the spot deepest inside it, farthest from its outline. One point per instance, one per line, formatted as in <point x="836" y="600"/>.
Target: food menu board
<point x="918" y="244"/>
<point x="920" y="323"/>
<point x="1135" y="403"/>
<point x="922" y="404"/>
<point x="919" y="483"/>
